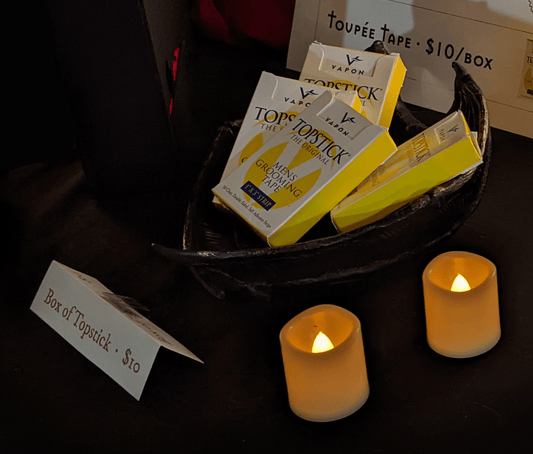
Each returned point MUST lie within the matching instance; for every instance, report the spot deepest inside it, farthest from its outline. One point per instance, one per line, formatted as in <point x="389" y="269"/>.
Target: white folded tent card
<point x="490" y="39"/>
<point x="102" y="326"/>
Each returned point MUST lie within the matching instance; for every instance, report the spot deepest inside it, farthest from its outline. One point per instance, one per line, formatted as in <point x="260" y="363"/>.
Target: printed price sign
<point x="487" y="38"/>
<point x="102" y="326"/>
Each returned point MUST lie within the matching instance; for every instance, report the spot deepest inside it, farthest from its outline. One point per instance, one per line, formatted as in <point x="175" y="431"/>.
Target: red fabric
<point x="268" y="21"/>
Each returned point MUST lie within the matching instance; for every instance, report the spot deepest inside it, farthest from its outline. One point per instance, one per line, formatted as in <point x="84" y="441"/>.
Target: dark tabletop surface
<point x="54" y="398"/>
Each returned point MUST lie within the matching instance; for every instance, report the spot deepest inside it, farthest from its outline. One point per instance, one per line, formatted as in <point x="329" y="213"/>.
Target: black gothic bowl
<point x="226" y="257"/>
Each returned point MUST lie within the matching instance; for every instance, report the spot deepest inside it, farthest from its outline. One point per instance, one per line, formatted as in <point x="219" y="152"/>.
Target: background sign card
<point x="489" y="38"/>
<point x="102" y="326"/>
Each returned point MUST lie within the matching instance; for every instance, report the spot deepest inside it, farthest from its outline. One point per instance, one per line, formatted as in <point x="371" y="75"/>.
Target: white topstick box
<point x="300" y="174"/>
<point x="276" y="101"/>
<point x="376" y="78"/>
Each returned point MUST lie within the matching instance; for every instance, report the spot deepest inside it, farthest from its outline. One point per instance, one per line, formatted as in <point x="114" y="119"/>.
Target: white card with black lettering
<point x="102" y="326"/>
<point x="488" y="38"/>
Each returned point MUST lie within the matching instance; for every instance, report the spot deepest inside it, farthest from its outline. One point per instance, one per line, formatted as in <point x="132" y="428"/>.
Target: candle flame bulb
<point x="460" y="284"/>
<point x="321" y="343"/>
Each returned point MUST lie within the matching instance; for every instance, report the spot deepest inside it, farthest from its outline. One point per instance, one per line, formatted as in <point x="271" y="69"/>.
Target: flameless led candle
<point x="324" y="363"/>
<point x="461" y="301"/>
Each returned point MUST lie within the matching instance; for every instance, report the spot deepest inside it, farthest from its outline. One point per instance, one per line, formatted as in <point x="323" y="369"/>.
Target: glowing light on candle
<point x="460" y="284"/>
<point x="321" y="343"/>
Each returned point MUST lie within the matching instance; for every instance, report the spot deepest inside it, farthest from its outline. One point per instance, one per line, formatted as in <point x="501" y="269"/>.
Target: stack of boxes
<point x="321" y="145"/>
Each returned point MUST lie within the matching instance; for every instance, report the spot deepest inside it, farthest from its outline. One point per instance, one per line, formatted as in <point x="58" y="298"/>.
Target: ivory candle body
<point x="331" y="384"/>
<point x="461" y="322"/>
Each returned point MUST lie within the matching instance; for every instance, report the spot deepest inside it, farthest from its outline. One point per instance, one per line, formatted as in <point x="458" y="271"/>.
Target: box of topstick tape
<point x="376" y="78"/>
<point x="276" y="101"/>
<point x="434" y="156"/>
<point x="303" y="171"/>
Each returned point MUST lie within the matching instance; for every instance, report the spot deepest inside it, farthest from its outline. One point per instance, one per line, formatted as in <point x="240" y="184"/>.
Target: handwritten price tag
<point x="102" y="326"/>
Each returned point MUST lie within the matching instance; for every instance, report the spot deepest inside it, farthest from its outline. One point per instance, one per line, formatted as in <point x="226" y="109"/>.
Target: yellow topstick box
<point x="526" y="85"/>
<point x="376" y="78"/>
<point x="276" y="101"/>
<point x="433" y="157"/>
<point x="303" y="171"/>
